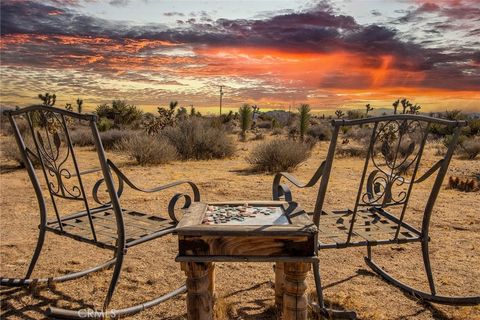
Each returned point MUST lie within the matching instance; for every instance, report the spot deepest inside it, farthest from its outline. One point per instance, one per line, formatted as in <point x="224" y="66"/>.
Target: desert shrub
<point x="310" y="142"/>
<point x="320" y="131"/>
<point x="81" y="137"/>
<point x="148" y="150"/>
<point x="258" y="135"/>
<point x="104" y="124"/>
<point x="345" y="129"/>
<point x="112" y="137"/>
<point x="265" y="124"/>
<point x="357" y="133"/>
<point x="11" y="152"/>
<point x="466" y="185"/>
<point x="352" y="151"/>
<point x="7" y="129"/>
<point x="277" y="131"/>
<point x="119" y="112"/>
<point x="278" y="155"/>
<point x="470" y="148"/>
<point x="439" y="148"/>
<point x="474" y="126"/>
<point x="355" y="114"/>
<point x="194" y="138"/>
<point x="293" y="132"/>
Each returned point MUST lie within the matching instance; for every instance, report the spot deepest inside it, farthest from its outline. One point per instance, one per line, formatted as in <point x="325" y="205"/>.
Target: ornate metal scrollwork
<point x="172" y="203"/>
<point x="96" y="189"/>
<point x="395" y="149"/>
<point x="55" y="153"/>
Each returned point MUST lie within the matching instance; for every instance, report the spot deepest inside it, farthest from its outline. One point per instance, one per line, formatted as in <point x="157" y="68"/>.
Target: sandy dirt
<point x="244" y="290"/>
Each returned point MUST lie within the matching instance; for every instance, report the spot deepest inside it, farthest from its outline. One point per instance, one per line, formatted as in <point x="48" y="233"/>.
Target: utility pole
<point x="221" y="95"/>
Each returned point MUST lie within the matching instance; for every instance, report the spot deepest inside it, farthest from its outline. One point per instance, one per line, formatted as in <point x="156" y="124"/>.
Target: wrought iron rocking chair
<point x="106" y="224"/>
<point x="395" y="146"/>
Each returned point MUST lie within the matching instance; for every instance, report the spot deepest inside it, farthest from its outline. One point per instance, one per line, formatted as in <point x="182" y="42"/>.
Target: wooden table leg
<point x="199" y="290"/>
<point x="294" y="297"/>
<point x="279" y="283"/>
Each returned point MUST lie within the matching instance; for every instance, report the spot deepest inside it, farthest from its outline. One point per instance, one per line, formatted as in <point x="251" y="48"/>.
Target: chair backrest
<point x="394" y="146"/>
<point x="47" y="142"/>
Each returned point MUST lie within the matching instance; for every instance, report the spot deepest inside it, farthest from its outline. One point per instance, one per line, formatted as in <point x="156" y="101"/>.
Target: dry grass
<point x="148" y="150"/>
<point x="198" y="139"/>
<point x="278" y="155"/>
<point x="463" y="184"/>
<point x="150" y="268"/>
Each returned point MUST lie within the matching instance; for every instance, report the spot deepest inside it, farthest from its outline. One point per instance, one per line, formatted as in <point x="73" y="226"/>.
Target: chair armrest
<point x="171" y="206"/>
<point x="279" y="189"/>
<point x="82" y="173"/>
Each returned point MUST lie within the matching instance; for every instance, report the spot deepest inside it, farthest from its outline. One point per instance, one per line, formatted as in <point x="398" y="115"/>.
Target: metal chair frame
<point x="106" y="225"/>
<point x="375" y="195"/>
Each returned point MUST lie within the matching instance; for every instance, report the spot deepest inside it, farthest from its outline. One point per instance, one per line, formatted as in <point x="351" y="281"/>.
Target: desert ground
<point x="244" y="290"/>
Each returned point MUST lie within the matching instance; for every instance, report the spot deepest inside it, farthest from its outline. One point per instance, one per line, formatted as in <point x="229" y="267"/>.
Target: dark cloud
<point x="173" y="13"/>
<point x="119" y="3"/>
<point x="462" y="11"/>
<point x="318" y="30"/>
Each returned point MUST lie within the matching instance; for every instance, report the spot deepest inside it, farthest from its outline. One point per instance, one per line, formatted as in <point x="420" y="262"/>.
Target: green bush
<point x="474" y="126"/>
<point x="278" y="155"/>
<point x="104" y="124"/>
<point x="195" y="138"/>
<point x="119" y="112"/>
<point x="148" y="150"/>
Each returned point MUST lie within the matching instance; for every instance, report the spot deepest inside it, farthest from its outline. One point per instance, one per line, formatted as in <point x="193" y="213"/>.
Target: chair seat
<point x="371" y="227"/>
<point x="137" y="225"/>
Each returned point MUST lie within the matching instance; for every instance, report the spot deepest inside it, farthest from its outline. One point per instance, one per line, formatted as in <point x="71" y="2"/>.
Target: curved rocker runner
<point x="106" y="224"/>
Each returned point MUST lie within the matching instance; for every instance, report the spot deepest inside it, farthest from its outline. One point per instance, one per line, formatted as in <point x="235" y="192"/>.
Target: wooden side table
<point x="257" y="231"/>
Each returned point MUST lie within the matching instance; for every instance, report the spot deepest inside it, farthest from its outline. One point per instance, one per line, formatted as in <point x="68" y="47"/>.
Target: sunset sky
<point x="330" y="54"/>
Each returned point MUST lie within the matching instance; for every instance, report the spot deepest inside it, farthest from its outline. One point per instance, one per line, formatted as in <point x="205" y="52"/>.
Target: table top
<point x="245" y="218"/>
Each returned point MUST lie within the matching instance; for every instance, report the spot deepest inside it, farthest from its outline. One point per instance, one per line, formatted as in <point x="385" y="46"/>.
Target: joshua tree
<point x="304" y="119"/>
<point x="193" y="112"/>
<point x="166" y="117"/>
<point x="453" y="114"/>
<point x="79" y="105"/>
<point x="245" y="112"/>
<point x="368" y="108"/>
<point x="395" y="106"/>
<point x="405" y="105"/>
<point x="339" y="114"/>
<point x="182" y="113"/>
<point x="414" y="108"/>
<point x="48" y="100"/>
